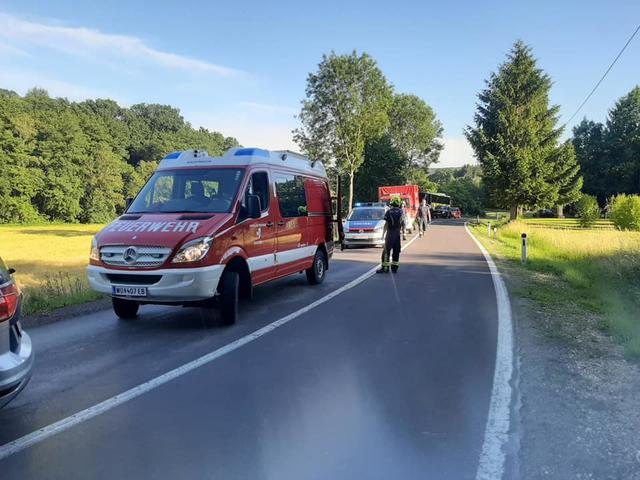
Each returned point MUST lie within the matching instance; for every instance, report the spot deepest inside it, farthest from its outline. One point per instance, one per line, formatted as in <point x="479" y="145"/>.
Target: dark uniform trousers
<point x="395" y="222"/>
<point x="391" y="249"/>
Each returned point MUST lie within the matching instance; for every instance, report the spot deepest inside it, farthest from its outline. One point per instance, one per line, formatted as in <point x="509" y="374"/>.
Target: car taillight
<point x="8" y="301"/>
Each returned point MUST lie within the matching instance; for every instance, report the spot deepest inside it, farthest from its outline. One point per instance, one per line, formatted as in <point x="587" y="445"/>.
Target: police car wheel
<point x="317" y="271"/>
<point x="229" y="294"/>
<point x="126" y="309"/>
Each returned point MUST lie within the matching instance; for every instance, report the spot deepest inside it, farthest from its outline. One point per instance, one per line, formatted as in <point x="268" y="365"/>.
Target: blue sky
<point x="240" y="67"/>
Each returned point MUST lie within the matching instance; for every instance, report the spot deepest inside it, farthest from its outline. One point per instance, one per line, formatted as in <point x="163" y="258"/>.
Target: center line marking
<point x="66" y="423"/>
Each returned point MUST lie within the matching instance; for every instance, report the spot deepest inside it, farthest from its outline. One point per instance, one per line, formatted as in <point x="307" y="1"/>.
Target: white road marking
<point x="496" y="434"/>
<point x="106" y="405"/>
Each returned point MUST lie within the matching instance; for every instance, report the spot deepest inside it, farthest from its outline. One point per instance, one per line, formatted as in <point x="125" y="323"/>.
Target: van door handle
<point x="268" y="224"/>
<point x="281" y="223"/>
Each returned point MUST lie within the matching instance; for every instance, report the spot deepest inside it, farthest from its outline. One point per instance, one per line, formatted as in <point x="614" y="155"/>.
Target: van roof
<point x="244" y="156"/>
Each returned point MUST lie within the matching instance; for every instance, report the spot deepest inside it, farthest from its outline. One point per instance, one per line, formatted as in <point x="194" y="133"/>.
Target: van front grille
<point x="134" y="256"/>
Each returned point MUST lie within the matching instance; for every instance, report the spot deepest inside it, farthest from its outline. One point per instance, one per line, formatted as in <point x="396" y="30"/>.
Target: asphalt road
<point x="390" y="379"/>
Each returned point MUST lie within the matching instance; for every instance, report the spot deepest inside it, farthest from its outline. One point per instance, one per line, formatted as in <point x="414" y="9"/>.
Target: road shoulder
<point x="579" y="397"/>
<point x="71" y="311"/>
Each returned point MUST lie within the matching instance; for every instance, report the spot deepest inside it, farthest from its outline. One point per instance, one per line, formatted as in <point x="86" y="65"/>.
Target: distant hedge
<point x="78" y="161"/>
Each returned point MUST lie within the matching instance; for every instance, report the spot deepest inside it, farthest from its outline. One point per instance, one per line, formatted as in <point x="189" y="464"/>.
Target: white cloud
<point x="95" y="44"/>
<point x="457" y="152"/>
<point x="6" y="49"/>
<point x="23" y="80"/>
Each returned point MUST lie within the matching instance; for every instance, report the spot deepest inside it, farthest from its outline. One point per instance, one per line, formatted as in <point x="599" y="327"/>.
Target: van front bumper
<point x="16" y="360"/>
<point x="169" y="285"/>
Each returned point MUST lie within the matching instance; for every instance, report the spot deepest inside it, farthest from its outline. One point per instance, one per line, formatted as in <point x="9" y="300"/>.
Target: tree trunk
<point x="513" y="212"/>
<point x="351" y="175"/>
<point x="559" y="211"/>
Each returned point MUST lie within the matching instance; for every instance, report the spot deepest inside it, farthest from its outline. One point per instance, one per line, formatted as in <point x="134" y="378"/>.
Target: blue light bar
<point x="251" y="152"/>
<point x="172" y="156"/>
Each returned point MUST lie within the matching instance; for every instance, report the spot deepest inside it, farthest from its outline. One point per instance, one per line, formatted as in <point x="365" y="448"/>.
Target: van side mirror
<point x="11" y="271"/>
<point x="253" y="206"/>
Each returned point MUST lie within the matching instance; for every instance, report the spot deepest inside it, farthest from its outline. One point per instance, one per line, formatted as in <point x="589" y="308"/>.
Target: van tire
<point x="229" y="296"/>
<point x="125" y="309"/>
<point x="318" y="270"/>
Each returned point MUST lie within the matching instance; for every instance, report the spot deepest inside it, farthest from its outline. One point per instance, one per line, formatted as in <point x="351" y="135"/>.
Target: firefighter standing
<point x="394" y="223"/>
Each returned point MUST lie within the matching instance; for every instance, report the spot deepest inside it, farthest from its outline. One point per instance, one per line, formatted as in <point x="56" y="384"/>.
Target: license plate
<point x="129" y="291"/>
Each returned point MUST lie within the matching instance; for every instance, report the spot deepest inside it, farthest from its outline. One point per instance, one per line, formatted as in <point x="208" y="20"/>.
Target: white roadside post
<point x="489" y="229"/>
<point x="524" y="248"/>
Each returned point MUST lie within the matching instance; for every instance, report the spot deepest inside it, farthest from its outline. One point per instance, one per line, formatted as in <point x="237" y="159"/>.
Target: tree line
<point x="609" y="153"/>
<point x="78" y="161"/>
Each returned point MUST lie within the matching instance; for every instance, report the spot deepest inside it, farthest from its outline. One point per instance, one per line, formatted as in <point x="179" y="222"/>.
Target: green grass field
<point x="595" y="271"/>
<point x="50" y="263"/>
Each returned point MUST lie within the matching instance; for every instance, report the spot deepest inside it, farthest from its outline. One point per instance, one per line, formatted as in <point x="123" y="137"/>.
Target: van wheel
<point x="126" y="309"/>
<point x="317" y="271"/>
<point x="229" y="294"/>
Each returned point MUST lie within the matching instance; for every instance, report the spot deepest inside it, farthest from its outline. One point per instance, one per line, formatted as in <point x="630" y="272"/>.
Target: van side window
<point x="259" y="185"/>
<point x="291" y="196"/>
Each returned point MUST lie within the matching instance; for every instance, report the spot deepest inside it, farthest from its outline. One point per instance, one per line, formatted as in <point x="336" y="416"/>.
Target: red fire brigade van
<point x="204" y="231"/>
<point x="410" y="195"/>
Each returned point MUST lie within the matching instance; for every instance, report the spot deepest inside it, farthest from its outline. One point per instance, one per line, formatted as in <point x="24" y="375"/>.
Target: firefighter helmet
<point x="395" y="202"/>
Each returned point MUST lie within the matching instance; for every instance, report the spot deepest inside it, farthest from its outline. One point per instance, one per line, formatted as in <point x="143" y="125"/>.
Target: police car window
<point x="366" y="214"/>
<point x="259" y="185"/>
<point x="292" y="197"/>
<point x="179" y="191"/>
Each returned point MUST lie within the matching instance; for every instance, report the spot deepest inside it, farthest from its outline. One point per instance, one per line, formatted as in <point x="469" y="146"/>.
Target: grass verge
<point x="591" y="276"/>
<point x="50" y="263"/>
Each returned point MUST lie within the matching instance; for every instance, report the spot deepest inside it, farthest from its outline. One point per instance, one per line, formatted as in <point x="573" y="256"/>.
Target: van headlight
<point x="193" y="251"/>
<point x="379" y="228"/>
<point x="95" y="251"/>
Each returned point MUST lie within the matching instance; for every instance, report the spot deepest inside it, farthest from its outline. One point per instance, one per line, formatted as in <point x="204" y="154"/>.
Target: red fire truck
<point x="205" y="230"/>
<point x="410" y="195"/>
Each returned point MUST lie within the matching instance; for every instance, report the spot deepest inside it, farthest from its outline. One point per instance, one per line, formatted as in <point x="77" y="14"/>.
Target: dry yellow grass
<point x="50" y="262"/>
<point x="600" y="270"/>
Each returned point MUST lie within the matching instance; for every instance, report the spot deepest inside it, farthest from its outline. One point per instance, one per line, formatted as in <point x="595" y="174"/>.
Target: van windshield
<point x="210" y="190"/>
<point x="366" y="214"/>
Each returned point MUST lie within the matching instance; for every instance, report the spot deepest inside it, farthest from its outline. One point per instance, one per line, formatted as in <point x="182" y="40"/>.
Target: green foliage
<point x="566" y="175"/>
<point x="609" y="155"/>
<point x="77" y="162"/>
<point x="383" y="165"/>
<point x="588" y="210"/>
<point x="625" y="212"/>
<point x="418" y="176"/>
<point x="347" y="103"/>
<point x="415" y="130"/>
<point x="515" y="136"/>
<point x="589" y="142"/>
<point x="466" y="193"/>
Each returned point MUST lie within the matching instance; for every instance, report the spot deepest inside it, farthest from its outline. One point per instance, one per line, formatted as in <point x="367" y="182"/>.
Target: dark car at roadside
<point x="16" y="353"/>
<point x="441" y="211"/>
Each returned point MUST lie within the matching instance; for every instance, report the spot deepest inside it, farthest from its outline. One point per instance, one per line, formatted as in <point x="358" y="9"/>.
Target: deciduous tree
<point x="347" y="103"/>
